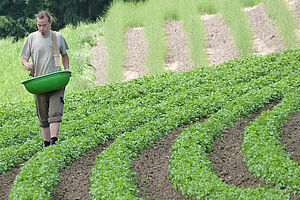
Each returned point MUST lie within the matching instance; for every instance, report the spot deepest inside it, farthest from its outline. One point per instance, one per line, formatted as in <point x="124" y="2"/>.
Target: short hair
<point x="43" y="14"/>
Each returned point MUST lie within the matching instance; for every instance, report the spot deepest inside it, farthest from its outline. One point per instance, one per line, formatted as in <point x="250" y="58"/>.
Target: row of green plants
<point x="237" y="77"/>
<point x="112" y="177"/>
<point x="51" y="160"/>
<point x="190" y="169"/>
<point x="192" y="84"/>
<point x="152" y="14"/>
<point x="263" y="152"/>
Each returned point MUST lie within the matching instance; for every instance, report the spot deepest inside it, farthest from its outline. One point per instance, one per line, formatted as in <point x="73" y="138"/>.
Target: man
<point x="40" y="47"/>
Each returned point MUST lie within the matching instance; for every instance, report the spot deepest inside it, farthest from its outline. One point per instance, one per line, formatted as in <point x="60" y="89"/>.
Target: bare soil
<point x="151" y="166"/>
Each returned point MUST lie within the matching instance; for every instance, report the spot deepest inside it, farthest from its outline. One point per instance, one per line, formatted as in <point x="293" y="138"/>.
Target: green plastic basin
<point x="48" y="82"/>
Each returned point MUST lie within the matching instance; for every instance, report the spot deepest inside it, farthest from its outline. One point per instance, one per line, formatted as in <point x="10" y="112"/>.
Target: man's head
<point x="43" y="21"/>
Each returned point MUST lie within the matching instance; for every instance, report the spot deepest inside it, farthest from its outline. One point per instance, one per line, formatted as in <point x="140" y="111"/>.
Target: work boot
<point x="46" y="143"/>
<point x="53" y="140"/>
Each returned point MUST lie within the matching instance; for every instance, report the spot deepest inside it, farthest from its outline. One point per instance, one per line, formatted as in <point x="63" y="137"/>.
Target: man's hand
<point x="68" y="69"/>
<point x="28" y="66"/>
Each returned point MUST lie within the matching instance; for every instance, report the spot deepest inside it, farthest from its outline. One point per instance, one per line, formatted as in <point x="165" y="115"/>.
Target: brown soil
<point x="75" y="178"/>
<point x="152" y="169"/>
<point x="178" y="57"/>
<point x="135" y="65"/>
<point x="220" y="45"/>
<point x="227" y="158"/>
<point x="265" y="34"/>
<point x="154" y="161"/>
<point x="291" y="139"/>
<point x="6" y="181"/>
<point x="100" y="59"/>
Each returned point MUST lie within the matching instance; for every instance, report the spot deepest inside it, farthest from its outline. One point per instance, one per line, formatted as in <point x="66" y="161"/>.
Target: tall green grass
<point x="12" y="73"/>
<point x="151" y="15"/>
<point x="236" y="19"/>
<point x="193" y="26"/>
<point x="282" y="17"/>
<point x="114" y="40"/>
<point x="154" y="17"/>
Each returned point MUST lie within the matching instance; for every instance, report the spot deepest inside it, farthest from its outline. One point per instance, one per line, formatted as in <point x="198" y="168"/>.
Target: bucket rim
<point x="45" y="75"/>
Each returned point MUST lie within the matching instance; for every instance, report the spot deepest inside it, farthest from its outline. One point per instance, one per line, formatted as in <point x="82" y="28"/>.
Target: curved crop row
<point x="17" y="130"/>
<point x="112" y="177"/>
<point x="230" y="73"/>
<point x="42" y="159"/>
<point x="233" y="83"/>
<point x="264" y="154"/>
<point x="191" y="170"/>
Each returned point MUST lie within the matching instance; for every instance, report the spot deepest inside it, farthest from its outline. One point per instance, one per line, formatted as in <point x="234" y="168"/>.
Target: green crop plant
<point x="265" y="156"/>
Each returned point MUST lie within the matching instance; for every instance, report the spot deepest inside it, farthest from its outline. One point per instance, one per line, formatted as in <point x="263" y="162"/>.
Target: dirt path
<point x="6" y="181"/>
<point x="227" y="158"/>
<point x="152" y="170"/>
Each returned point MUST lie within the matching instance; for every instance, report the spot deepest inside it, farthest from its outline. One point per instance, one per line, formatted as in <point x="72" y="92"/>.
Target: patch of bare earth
<point x="291" y="139"/>
<point x="100" y="61"/>
<point x="266" y="35"/>
<point x="6" y="181"/>
<point x="75" y="178"/>
<point x="220" y="45"/>
<point x="152" y="170"/>
<point x="227" y="158"/>
<point x="178" y="52"/>
<point x="135" y="65"/>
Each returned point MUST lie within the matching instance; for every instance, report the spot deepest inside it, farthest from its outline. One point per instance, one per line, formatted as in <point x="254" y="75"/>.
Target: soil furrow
<point x="152" y="170"/>
<point x="178" y="53"/>
<point x="100" y="61"/>
<point x="6" y="181"/>
<point x="227" y="158"/>
<point x="135" y="65"/>
<point x="75" y="178"/>
<point x="291" y="139"/>
<point x="291" y="136"/>
<point x="220" y="45"/>
<point x="266" y="35"/>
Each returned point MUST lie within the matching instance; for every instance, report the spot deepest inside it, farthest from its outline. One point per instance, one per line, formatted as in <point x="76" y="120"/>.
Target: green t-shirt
<point x="40" y="49"/>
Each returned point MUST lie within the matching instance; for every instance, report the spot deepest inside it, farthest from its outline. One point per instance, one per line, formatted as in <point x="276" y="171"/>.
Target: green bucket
<point x="48" y="82"/>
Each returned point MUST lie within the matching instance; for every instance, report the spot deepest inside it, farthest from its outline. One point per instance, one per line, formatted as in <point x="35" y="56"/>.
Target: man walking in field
<point x="40" y="47"/>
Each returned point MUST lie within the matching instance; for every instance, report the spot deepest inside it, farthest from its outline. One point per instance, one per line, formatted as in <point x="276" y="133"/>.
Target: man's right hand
<point x="28" y="66"/>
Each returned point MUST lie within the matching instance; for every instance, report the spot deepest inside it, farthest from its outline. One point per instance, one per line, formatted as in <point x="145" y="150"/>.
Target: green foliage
<point x="264" y="154"/>
<point x="19" y="24"/>
<point x="139" y="112"/>
<point x="235" y="18"/>
<point x="280" y="14"/>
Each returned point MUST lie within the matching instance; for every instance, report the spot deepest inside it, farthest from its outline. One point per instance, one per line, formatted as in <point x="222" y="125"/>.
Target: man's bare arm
<point x="65" y="61"/>
<point x="27" y="64"/>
